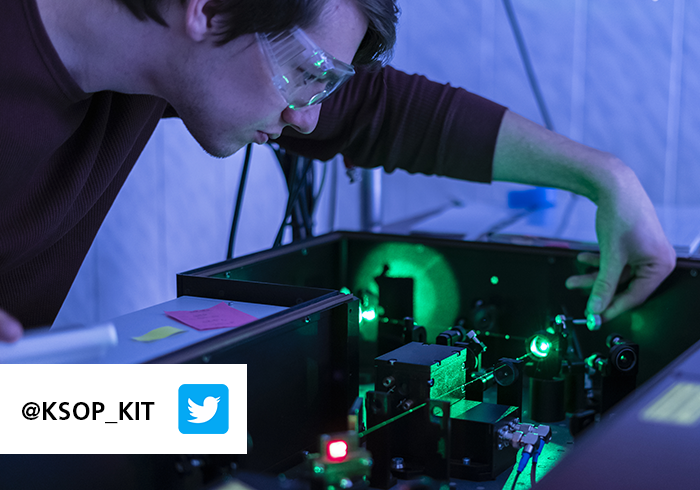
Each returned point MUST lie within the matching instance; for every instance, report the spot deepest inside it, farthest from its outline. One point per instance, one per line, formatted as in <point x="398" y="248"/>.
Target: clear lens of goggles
<point x="301" y="71"/>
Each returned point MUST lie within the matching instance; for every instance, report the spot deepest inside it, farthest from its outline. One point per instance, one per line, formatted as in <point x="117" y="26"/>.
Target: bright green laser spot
<point x="494" y="280"/>
<point x="369" y="315"/>
<point x="540" y="347"/>
<point x="345" y="291"/>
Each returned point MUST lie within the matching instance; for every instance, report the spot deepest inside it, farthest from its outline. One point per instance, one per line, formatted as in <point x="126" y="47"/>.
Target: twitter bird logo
<point x="203" y="409"/>
<point x="205" y="412"/>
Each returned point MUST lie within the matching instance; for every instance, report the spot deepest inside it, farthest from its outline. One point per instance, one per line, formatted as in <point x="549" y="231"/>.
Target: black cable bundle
<point x="239" y="201"/>
<point x="301" y="202"/>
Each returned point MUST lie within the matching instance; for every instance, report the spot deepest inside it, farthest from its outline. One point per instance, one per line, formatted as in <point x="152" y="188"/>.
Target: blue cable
<point x="523" y="461"/>
<point x="538" y="451"/>
<point x="533" y="469"/>
<point x="521" y="466"/>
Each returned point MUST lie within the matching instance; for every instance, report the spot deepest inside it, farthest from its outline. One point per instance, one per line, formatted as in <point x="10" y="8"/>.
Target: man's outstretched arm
<point x="629" y="233"/>
<point x="10" y="329"/>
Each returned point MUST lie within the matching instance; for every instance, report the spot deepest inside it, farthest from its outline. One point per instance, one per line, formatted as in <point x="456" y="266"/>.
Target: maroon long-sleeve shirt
<point x="65" y="154"/>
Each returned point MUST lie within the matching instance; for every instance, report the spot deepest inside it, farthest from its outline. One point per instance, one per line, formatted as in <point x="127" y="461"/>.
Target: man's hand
<point x="10" y="329"/>
<point x="633" y="248"/>
<point x="632" y="244"/>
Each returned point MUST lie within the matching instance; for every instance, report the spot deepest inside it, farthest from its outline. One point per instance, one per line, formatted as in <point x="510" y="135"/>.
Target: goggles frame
<point x="302" y="72"/>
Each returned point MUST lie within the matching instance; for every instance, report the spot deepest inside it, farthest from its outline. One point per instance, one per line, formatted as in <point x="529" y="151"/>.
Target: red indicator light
<point x="337" y="450"/>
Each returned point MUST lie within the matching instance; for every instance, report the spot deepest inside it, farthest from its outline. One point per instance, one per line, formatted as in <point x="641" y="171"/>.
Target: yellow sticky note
<point x="158" y="334"/>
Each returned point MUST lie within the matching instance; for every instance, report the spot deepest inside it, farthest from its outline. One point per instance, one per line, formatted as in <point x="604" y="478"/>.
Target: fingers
<point x="605" y="283"/>
<point x="644" y="280"/>
<point x="584" y="281"/>
<point x="589" y="258"/>
<point x="640" y="288"/>
<point x="10" y="329"/>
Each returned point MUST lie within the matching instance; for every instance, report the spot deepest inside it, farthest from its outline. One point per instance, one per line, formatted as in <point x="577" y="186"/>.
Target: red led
<point x="337" y="450"/>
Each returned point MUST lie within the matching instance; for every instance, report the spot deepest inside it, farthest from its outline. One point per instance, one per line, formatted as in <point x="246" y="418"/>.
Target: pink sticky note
<point x="219" y="316"/>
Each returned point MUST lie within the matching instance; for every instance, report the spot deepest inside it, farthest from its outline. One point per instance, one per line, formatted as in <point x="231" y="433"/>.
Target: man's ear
<point x="198" y="22"/>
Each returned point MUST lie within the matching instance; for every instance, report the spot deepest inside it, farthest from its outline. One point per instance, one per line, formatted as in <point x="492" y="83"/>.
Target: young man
<point x="89" y="80"/>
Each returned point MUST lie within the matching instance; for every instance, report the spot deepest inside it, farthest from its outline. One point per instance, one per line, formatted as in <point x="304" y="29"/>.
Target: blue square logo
<point x="203" y="409"/>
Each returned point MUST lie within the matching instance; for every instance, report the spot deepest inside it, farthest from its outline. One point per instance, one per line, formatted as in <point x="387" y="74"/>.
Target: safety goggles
<point x="302" y="72"/>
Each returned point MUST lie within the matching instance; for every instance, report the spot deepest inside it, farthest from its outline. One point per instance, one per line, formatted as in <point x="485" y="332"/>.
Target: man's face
<point x="228" y="99"/>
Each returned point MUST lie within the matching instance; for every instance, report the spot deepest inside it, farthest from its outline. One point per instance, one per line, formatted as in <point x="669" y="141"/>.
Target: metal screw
<point x="593" y="322"/>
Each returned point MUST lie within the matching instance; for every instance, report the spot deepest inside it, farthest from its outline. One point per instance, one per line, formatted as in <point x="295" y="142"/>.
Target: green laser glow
<point x="435" y="290"/>
<point x="540" y="347"/>
<point x="494" y="280"/>
<point x="591" y="322"/>
<point x="387" y="422"/>
<point x="345" y="291"/>
<point x="368" y="315"/>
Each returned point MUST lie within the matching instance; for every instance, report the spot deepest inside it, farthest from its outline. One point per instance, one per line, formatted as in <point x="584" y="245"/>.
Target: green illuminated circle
<point x="435" y="290"/>
<point x="540" y="347"/>
<point x="494" y="280"/>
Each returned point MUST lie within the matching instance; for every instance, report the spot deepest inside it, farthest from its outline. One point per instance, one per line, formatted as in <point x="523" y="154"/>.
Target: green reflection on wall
<point x="435" y="293"/>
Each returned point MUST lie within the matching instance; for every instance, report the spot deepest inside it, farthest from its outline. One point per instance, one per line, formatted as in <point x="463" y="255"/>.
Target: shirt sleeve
<point x="391" y="119"/>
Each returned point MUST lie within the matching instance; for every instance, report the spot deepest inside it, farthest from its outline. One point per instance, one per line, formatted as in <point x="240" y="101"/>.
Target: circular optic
<point x="540" y="346"/>
<point x="626" y="359"/>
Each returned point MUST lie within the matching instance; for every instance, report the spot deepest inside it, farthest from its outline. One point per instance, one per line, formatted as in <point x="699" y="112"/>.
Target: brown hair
<point x="239" y="17"/>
